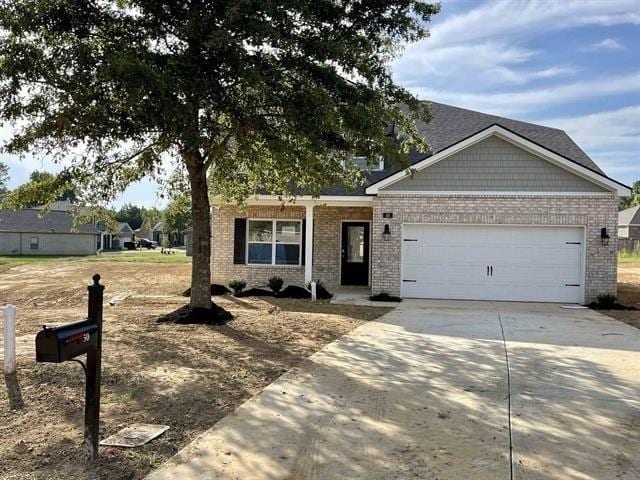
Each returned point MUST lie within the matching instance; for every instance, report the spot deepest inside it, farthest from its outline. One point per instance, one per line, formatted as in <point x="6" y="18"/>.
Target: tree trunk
<point x="201" y="214"/>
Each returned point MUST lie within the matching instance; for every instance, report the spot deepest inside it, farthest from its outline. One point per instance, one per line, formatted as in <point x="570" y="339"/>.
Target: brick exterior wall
<point x="594" y="212"/>
<point x="326" y="251"/>
<point x="222" y="266"/>
<point x="326" y="248"/>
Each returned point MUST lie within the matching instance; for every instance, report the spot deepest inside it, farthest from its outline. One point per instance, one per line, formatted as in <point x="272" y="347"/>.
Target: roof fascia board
<point x="499" y="193"/>
<point x="307" y="200"/>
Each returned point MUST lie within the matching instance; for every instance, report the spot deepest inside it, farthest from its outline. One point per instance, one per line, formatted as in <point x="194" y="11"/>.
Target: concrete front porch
<point x="321" y="226"/>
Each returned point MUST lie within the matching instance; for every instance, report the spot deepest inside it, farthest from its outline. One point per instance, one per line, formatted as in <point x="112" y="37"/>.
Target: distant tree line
<point x="176" y="216"/>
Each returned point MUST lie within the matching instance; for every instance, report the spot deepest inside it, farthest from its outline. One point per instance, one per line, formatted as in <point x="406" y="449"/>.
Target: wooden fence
<point x="628" y="244"/>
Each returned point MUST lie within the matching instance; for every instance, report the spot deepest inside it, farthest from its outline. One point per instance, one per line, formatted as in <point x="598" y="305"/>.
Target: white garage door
<point x="479" y="262"/>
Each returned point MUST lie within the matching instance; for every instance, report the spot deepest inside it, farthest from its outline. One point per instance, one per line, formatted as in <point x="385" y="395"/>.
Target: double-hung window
<point x="274" y="242"/>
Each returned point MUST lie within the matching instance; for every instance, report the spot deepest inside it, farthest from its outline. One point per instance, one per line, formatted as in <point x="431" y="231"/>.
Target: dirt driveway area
<point x="628" y="294"/>
<point x="184" y="376"/>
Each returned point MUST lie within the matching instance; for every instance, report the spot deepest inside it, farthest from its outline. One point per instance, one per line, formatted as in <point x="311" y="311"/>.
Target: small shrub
<point x="606" y="300"/>
<point x="237" y="286"/>
<point x="275" y="284"/>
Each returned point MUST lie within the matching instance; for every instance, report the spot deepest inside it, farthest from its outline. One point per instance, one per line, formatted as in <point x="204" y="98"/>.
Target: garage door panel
<point x="529" y="263"/>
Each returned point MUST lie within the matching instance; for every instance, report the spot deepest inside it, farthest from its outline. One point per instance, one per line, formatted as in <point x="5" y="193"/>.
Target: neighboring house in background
<point x="146" y="230"/>
<point x="33" y="232"/>
<point x="115" y="241"/>
<point x="174" y="239"/>
<point x="58" y="206"/>
<point x="158" y="232"/>
<point x="498" y="210"/>
<point x="629" y="223"/>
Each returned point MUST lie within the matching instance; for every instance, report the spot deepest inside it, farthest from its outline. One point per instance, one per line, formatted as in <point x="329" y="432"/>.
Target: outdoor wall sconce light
<point x="604" y="236"/>
<point x="386" y="234"/>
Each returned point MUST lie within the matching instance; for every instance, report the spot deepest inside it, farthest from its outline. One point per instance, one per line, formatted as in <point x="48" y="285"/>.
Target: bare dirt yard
<point x="184" y="376"/>
<point x="628" y="293"/>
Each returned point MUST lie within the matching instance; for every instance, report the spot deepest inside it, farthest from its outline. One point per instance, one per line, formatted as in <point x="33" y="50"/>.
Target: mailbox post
<point x="94" y="374"/>
<point x="66" y="342"/>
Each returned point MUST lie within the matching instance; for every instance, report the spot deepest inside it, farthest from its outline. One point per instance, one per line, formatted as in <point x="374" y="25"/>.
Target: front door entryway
<point x="355" y="253"/>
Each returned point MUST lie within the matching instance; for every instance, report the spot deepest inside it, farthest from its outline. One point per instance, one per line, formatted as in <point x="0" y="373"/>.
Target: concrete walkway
<point x="423" y="393"/>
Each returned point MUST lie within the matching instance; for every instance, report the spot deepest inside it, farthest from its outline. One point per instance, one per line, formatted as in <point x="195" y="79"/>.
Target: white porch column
<point x="308" y="253"/>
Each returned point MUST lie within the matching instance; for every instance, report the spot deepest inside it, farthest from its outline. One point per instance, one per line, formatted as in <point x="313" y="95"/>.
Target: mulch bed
<point x="187" y="315"/>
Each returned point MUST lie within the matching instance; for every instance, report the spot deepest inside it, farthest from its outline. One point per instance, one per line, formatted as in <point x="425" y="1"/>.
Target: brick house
<point x="498" y="210"/>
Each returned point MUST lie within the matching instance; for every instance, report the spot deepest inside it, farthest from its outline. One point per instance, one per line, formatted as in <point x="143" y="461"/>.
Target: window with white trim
<point x="274" y="242"/>
<point x="34" y="243"/>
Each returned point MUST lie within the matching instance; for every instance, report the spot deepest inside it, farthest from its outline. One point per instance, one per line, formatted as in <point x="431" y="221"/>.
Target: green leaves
<point x="282" y="90"/>
<point x="633" y="199"/>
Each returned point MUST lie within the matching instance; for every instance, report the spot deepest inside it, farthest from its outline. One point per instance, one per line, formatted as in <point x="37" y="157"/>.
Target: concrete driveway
<point x="423" y="393"/>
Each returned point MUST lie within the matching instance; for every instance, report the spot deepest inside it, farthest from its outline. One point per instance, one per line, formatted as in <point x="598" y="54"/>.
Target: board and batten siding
<point x="48" y="243"/>
<point x="494" y="165"/>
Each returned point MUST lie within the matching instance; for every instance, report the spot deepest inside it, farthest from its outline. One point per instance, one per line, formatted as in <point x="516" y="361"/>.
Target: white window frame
<point x="37" y="244"/>
<point x="273" y="242"/>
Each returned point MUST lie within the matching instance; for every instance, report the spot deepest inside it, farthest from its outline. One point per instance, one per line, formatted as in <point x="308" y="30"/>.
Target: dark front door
<point x="355" y="253"/>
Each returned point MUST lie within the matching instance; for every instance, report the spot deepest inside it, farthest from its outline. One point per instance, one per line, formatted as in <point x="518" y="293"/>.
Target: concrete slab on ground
<point x="423" y="393"/>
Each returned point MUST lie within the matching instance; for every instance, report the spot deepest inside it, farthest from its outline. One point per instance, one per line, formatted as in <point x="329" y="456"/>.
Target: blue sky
<point x="568" y="64"/>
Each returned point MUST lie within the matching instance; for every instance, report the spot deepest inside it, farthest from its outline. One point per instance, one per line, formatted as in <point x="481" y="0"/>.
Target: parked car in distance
<point x="129" y="245"/>
<point x="146" y="243"/>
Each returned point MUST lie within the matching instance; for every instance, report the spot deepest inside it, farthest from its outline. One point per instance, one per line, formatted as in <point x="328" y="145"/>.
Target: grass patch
<point x="139" y="256"/>
<point x="13" y="260"/>
<point x="124" y="256"/>
<point x="629" y="257"/>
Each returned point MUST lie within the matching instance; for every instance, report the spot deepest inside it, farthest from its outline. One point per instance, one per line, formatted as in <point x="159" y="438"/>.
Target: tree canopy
<point x="633" y="199"/>
<point x="177" y="215"/>
<point x="4" y="179"/>
<point x="251" y="95"/>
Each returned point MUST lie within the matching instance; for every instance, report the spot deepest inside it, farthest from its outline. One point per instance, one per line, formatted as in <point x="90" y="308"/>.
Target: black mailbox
<point x="58" y="344"/>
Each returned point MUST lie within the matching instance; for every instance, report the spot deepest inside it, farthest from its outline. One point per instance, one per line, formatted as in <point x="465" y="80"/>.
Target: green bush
<point x="237" y="285"/>
<point x="275" y="284"/>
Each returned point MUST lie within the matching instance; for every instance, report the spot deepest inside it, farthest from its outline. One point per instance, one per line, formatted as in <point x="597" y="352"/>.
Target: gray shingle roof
<point x="122" y="226"/>
<point x="59" y="205"/>
<point x="630" y="216"/>
<point x="28" y="221"/>
<point x="451" y="125"/>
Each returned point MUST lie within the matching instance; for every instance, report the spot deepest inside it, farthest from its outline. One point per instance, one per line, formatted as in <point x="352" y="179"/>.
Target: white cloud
<point x="606" y="44"/>
<point x="619" y="127"/>
<point x="502" y="17"/>
<point x="611" y="138"/>
<point x="490" y="63"/>
<point x="534" y="99"/>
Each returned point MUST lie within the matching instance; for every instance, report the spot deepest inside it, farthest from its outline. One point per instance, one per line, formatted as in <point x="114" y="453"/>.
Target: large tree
<point x="633" y="199"/>
<point x="4" y="180"/>
<point x="177" y="215"/>
<point x="132" y="214"/>
<point x="67" y="193"/>
<point x="248" y="94"/>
